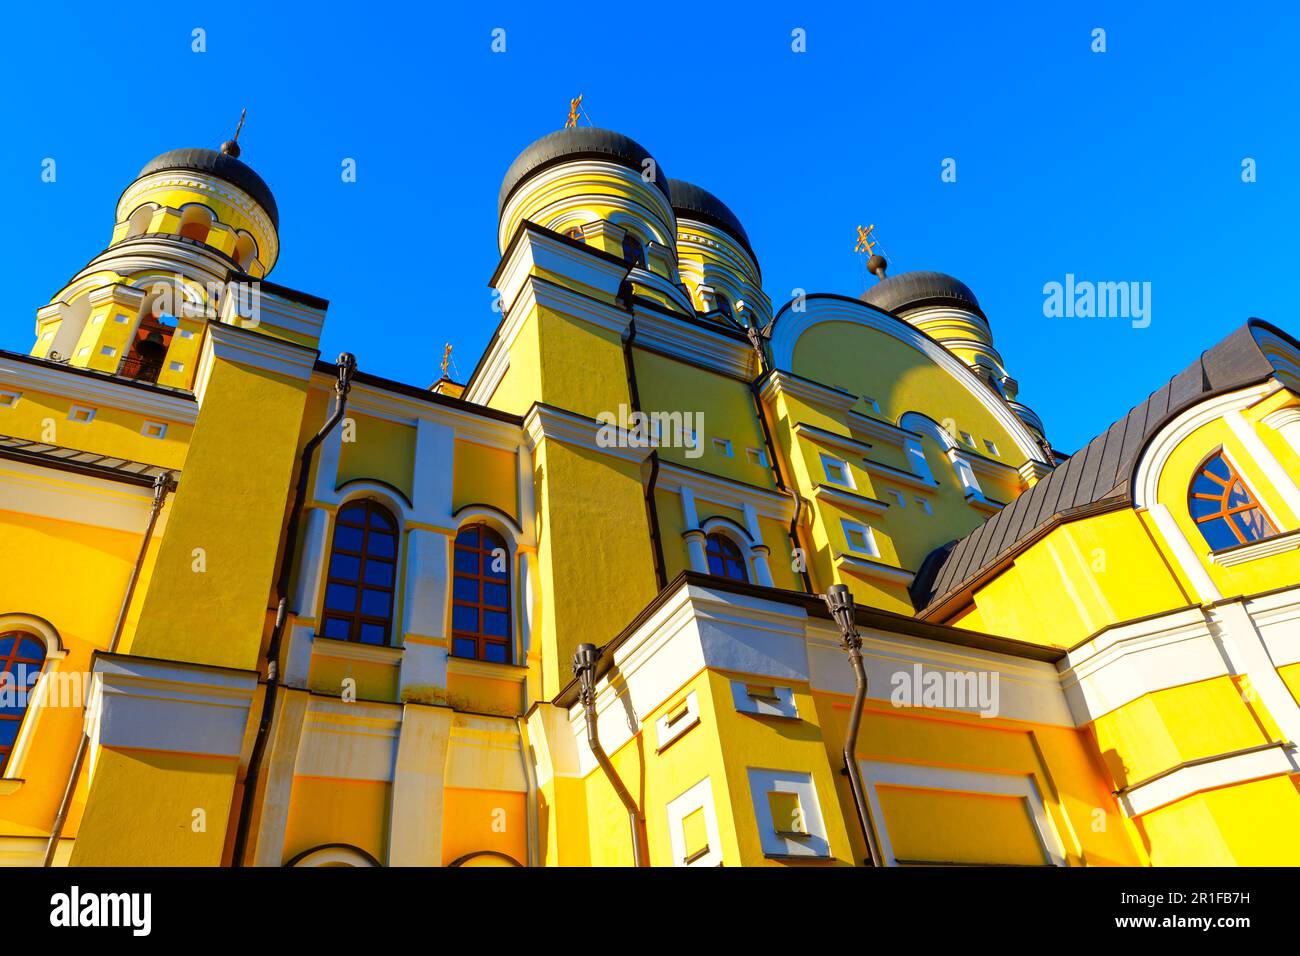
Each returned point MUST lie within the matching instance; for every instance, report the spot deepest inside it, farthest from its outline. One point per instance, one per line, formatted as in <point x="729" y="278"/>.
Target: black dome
<point x="912" y="289"/>
<point x="223" y="167"/>
<point x="580" y="142"/>
<point x="691" y="202"/>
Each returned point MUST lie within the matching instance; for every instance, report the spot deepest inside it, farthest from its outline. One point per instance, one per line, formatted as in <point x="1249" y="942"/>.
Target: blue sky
<point x="1115" y="166"/>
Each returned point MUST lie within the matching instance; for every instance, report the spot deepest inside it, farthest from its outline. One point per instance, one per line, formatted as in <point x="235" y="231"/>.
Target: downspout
<point x="347" y="365"/>
<point x="161" y="485"/>
<point x="652" y="509"/>
<point x="757" y="337"/>
<point x="840" y="602"/>
<point x="584" y="668"/>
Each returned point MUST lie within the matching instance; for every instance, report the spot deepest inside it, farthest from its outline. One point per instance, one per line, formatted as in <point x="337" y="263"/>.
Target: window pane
<point x="467" y="561"/>
<point x="381" y="545"/>
<point x="345" y="566"/>
<point x="465" y="589"/>
<point x="1254" y="526"/>
<point x="340" y="597"/>
<point x="1238" y="496"/>
<point x="1218" y="535"/>
<point x="349" y="539"/>
<point x="8" y="732"/>
<point x="376" y="603"/>
<point x="468" y="537"/>
<point x="372" y="634"/>
<point x="496" y="565"/>
<point x="337" y="628"/>
<point x="380" y="573"/>
<point x="31" y="650"/>
<point x="379" y="519"/>
<point x="495" y="595"/>
<point x="464" y="618"/>
<point x="1218" y="465"/>
<point x="464" y="647"/>
<point x="496" y="653"/>
<point x="6" y="644"/>
<point x="354" y="513"/>
<point x="496" y="623"/>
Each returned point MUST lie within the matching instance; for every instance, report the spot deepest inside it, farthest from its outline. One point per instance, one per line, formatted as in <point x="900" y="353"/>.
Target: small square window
<point x="175" y="366"/>
<point x="187" y="333"/>
<point x="837" y="471"/>
<point x="872" y="403"/>
<point x="900" y="499"/>
<point x="83" y="351"/>
<point x="97" y="320"/>
<point x="787" y="814"/>
<point x="992" y="448"/>
<point x="154" y="430"/>
<point x="121" y="318"/>
<point x="756" y="456"/>
<point x="860" y="538"/>
<point x="9" y="399"/>
<point x="925" y="505"/>
<point x="695" y="836"/>
<point x="722" y="446"/>
<point x="967" y="439"/>
<point x="108" y="350"/>
<point x="81" y="413"/>
<point x="47" y="336"/>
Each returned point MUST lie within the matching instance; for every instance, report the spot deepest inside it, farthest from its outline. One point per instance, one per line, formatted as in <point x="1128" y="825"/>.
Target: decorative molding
<point x="1209" y="773"/>
<point x="101" y="391"/>
<point x="1266" y="548"/>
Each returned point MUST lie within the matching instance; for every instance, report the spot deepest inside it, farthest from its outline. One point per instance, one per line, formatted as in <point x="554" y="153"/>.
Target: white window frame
<point x="868" y="535"/>
<point x="76" y="411"/>
<point x="829" y="460"/>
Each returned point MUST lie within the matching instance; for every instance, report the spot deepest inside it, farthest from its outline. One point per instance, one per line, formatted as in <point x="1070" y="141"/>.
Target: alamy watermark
<point x="952" y="690"/>
<point x="1073" y="299"/>
<point x="635" y="429"/>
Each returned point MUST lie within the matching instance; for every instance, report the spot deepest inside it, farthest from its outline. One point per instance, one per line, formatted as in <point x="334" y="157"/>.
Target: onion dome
<point x="223" y="166"/>
<point x="699" y="205"/>
<point x="912" y="290"/>
<point x="576" y="143"/>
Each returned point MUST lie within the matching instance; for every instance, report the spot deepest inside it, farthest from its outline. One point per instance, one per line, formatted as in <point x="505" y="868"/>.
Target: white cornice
<point x="544" y="422"/>
<point x="821" y="436"/>
<point x="100" y="391"/>
<point x="874" y="570"/>
<point x="1210" y="774"/>
<point x="1146" y="476"/>
<point x="1266" y="548"/>
<point x="695" y="344"/>
<point x="849" y="501"/>
<point x="767" y="503"/>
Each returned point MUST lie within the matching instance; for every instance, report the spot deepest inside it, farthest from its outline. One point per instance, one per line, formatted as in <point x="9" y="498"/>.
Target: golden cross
<point x="865" y="242"/>
<point x="574" y="107"/>
<point x="242" y="113"/>
<point x="446" y="358"/>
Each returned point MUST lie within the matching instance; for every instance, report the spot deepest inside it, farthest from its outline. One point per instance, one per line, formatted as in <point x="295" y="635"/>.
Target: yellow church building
<point x="676" y="578"/>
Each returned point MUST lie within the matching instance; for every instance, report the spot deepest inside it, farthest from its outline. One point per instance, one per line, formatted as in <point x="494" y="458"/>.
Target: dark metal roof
<point x="691" y="202"/>
<point x="580" y="142"/>
<point x="909" y="290"/>
<point x="83" y="462"/>
<point x="1096" y="477"/>
<point x="222" y="166"/>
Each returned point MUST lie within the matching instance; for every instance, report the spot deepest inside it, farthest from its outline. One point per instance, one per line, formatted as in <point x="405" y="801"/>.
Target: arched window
<point x="725" y="559"/>
<point x="196" y="222"/>
<point x="633" y="251"/>
<point x="362" y="573"/>
<point x="21" y="658"/>
<point x="480" y="605"/>
<point x="724" y="306"/>
<point x="1223" y="507"/>
<point x="245" y="249"/>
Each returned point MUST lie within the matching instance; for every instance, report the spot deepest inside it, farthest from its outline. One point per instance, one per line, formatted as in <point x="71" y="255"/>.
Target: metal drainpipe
<point x="839" y="600"/>
<point x="584" y="667"/>
<point x="161" y="485"/>
<point x="652" y="509"/>
<point x="347" y="365"/>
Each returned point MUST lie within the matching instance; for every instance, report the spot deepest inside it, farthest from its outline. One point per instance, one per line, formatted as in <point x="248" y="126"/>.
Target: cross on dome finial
<point x="231" y="146"/>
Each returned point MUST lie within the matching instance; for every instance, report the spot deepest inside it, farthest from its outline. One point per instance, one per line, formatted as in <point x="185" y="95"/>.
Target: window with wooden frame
<point x="22" y="656"/>
<point x="361" y="580"/>
<point x="480" y="600"/>
<point x="1224" y="508"/>
<point x="633" y="251"/>
<point x="724" y="557"/>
